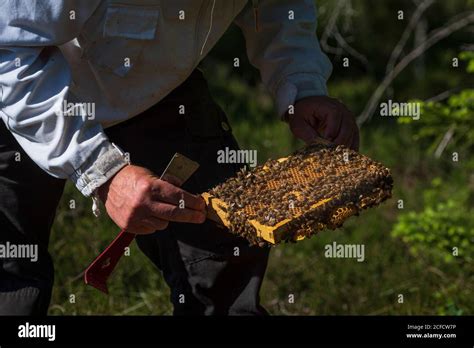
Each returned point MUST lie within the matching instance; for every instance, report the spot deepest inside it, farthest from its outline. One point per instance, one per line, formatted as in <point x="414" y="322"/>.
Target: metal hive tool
<point x="295" y="197"/>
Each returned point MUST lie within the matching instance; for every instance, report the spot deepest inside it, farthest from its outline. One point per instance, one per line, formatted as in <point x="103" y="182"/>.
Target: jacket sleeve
<point x="35" y="82"/>
<point x="285" y="49"/>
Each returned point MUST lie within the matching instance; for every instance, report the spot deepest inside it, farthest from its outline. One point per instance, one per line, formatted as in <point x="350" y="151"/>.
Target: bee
<point x="314" y="172"/>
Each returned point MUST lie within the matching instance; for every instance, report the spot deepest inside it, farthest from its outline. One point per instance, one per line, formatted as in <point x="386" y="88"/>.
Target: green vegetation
<point x="408" y="251"/>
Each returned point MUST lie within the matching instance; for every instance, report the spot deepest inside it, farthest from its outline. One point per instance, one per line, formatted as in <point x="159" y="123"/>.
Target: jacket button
<point x="225" y="126"/>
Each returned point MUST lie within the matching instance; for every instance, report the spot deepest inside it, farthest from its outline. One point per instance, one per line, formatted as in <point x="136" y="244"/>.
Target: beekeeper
<point x="103" y="93"/>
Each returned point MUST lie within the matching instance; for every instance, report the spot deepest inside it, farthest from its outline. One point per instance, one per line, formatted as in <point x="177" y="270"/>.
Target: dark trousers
<point x="208" y="270"/>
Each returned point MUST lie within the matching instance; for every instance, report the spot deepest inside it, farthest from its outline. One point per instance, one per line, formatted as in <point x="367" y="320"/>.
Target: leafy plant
<point x="444" y="229"/>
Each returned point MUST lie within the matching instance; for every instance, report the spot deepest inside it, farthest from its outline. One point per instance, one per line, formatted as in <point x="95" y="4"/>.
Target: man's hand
<point x="141" y="203"/>
<point x="326" y="117"/>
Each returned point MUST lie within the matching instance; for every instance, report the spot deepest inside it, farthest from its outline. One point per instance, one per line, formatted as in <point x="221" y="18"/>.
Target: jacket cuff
<point x="104" y="162"/>
<point x="297" y="86"/>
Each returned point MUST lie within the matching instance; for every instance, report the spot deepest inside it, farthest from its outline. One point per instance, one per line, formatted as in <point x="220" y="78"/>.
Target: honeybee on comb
<point x="292" y="198"/>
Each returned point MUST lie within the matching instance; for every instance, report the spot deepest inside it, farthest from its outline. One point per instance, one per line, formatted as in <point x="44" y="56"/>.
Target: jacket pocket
<point x="127" y="30"/>
<point x="132" y="22"/>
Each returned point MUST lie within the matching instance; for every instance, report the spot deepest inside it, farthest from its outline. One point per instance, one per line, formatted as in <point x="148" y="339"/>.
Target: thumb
<point x="305" y="132"/>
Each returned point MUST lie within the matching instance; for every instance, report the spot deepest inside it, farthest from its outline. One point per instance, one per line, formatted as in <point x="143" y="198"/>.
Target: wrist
<point x="102" y="191"/>
<point x="102" y="164"/>
<point x="296" y="87"/>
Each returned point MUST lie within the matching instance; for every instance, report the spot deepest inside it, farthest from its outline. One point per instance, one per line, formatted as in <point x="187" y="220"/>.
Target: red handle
<point x="100" y="269"/>
<point x="179" y="169"/>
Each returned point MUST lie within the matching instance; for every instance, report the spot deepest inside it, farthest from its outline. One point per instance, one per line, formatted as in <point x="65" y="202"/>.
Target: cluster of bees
<point x="289" y="189"/>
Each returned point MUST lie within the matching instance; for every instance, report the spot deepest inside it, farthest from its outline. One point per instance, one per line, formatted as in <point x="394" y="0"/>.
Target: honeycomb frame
<point x="324" y="185"/>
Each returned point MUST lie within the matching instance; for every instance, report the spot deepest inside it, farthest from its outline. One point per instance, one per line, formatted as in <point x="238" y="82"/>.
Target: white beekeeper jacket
<point x="61" y="59"/>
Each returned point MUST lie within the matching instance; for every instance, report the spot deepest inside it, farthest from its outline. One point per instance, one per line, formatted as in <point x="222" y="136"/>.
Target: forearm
<point x="34" y="85"/>
<point x="286" y="50"/>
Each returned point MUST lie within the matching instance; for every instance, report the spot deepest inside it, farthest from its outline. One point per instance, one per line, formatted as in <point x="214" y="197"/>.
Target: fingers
<point x="142" y="228"/>
<point x="169" y="212"/>
<point x="355" y="141"/>
<point x="168" y="193"/>
<point x="333" y="125"/>
<point x="155" y="223"/>
<point x="346" y="134"/>
<point x="140" y="203"/>
<point x="341" y="127"/>
<point x="326" y="116"/>
<point x="305" y="132"/>
<point x="145" y="224"/>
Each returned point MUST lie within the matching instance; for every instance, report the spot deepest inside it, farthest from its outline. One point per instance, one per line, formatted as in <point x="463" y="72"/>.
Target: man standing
<point x="86" y="86"/>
